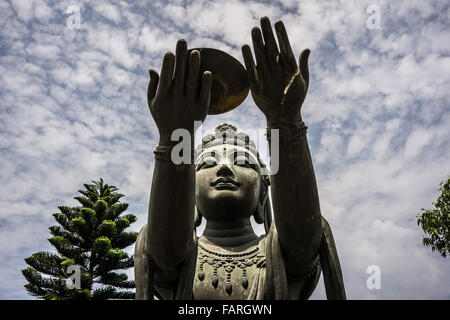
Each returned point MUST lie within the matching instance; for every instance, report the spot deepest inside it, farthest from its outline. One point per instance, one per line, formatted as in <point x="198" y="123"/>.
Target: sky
<point x="73" y="109"/>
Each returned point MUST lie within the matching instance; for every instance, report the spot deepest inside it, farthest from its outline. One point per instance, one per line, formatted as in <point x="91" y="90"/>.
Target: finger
<point x="269" y="40"/>
<point x="153" y="84"/>
<point x="303" y="63"/>
<point x="285" y="47"/>
<point x="258" y="46"/>
<point x="180" y="63"/>
<point x="165" y="81"/>
<point x="193" y="77"/>
<point x="250" y="65"/>
<point x="205" y="90"/>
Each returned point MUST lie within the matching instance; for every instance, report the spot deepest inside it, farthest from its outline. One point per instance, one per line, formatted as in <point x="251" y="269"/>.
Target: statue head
<point x="231" y="179"/>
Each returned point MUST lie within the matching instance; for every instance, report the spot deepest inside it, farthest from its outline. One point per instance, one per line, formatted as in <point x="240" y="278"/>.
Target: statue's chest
<point x="227" y="275"/>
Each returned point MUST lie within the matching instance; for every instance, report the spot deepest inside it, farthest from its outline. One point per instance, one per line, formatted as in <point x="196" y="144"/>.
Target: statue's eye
<point x="207" y="163"/>
<point x="244" y="160"/>
<point x="241" y="159"/>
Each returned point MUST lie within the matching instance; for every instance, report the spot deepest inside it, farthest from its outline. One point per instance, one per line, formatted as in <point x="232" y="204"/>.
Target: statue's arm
<point x="171" y="214"/>
<point x="279" y="87"/>
<point x="296" y="204"/>
<point x="176" y="99"/>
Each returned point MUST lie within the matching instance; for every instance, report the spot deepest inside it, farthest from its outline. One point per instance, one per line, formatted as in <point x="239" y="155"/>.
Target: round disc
<point x="230" y="83"/>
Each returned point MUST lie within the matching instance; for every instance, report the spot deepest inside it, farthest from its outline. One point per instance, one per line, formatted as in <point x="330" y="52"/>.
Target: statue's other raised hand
<point x="278" y="85"/>
<point x="181" y="95"/>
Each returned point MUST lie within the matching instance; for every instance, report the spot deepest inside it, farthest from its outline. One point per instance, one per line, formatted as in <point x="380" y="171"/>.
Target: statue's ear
<point x="259" y="214"/>
<point x="197" y="217"/>
<point x="263" y="213"/>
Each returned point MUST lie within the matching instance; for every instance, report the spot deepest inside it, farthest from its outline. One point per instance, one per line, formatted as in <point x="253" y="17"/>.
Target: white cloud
<point x="416" y="141"/>
<point x="74" y="109"/>
<point x="23" y="9"/>
<point x="108" y="11"/>
<point x="42" y="11"/>
<point x="44" y="51"/>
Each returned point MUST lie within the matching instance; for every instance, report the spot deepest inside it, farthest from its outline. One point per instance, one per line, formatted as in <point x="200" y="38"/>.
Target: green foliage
<point x="108" y="228"/>
<point x="92" y="238"/>
<point x="102" y="245"/>
<point x="436" y="222"/>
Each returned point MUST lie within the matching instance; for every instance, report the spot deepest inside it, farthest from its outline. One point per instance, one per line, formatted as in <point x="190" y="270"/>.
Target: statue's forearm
<point x="171" y="210"/>
<point x="295" y="199"/>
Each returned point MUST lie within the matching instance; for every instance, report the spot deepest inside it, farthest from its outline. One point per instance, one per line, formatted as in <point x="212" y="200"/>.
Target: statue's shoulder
<point x="141" y="246"/>
<point x="141" y="266"/>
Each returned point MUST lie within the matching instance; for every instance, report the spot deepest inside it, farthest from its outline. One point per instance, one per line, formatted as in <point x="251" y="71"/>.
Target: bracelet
<point x="289" y="130"/>
<point x="165" y="153"/>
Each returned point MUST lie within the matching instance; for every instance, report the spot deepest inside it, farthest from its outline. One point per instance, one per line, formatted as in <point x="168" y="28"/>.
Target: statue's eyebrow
<point x="251" y="160"/>
<point x="201" y="160"/>
<point x="241" y="152"/>
<point x="238" y="153"/>
<point x="212" y="154"/>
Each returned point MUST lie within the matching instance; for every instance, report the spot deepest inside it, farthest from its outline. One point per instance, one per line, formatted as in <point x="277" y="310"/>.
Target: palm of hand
<point x="182" y="94"/>
<point x="277" y="84"/>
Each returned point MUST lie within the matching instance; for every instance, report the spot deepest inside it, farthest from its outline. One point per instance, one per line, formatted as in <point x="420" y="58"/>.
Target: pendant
<point x="228" y="261"/>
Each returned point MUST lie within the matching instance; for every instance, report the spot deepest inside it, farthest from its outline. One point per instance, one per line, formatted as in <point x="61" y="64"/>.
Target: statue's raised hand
<point x="181" y="95"/>
<point x="278" y="85"/>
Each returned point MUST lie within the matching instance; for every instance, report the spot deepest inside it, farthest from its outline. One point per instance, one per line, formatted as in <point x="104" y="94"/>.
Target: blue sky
<point x="73" y="109"/>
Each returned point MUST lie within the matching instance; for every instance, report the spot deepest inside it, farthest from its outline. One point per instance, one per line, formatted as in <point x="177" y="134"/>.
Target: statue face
<point x="228" y="183"/>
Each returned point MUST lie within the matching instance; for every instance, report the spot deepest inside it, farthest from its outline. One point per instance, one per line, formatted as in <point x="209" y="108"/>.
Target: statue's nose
<point x="225" y="170"/>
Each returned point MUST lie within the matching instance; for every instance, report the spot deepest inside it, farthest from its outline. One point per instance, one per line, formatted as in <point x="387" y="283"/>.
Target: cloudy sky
<point x="73" y="109"/>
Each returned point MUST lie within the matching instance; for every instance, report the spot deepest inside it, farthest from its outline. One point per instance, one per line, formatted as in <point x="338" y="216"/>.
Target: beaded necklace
<point x="229" y="261"/>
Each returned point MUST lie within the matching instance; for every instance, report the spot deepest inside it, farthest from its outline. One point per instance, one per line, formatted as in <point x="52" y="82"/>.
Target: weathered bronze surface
<point x="227" y="183"/>
<point x="229" y="79"/>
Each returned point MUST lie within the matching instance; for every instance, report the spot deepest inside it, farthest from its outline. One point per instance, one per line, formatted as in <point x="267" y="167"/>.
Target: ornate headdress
<point x="227" y="134"/>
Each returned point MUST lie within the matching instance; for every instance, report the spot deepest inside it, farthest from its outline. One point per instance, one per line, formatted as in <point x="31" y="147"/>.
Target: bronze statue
<point x="228" y="183"/>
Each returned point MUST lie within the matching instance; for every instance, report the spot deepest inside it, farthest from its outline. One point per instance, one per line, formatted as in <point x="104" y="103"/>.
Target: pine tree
<point x="89" y="241"/>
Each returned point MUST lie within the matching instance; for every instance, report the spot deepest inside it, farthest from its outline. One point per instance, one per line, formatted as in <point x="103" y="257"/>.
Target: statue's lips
<point x="227" y="184"/>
